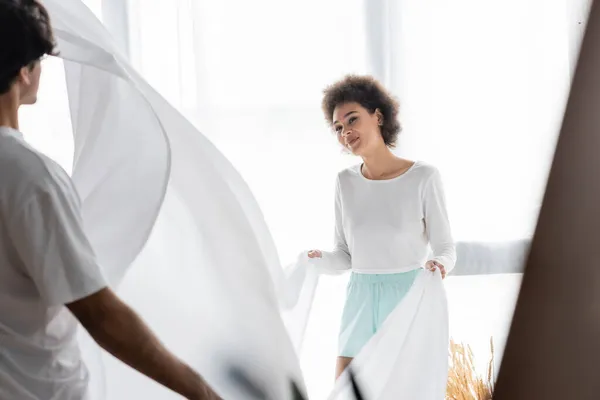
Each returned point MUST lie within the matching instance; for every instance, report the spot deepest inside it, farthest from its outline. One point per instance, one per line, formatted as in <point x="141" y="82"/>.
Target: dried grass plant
<point x="464" y="383"/>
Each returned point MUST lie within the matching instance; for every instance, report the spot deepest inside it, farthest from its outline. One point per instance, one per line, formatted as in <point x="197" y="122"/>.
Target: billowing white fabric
<point x="182" y="239"/>
<point x="129" y="143"/>
<point x="408" y="357"/>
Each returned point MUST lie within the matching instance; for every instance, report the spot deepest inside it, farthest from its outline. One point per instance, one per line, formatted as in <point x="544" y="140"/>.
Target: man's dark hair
<point x="25" y="37"/>
<point x="370" y="94"/>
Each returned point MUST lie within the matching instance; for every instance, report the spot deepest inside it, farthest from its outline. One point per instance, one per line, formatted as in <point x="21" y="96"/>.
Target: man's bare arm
<point x="122" y="333"/>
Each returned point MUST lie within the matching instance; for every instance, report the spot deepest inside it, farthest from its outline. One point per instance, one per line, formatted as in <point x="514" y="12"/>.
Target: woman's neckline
<point x="400" y="176"/>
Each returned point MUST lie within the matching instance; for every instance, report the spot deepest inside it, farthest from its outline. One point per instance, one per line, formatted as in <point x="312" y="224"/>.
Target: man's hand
<point x="433" y="265"/>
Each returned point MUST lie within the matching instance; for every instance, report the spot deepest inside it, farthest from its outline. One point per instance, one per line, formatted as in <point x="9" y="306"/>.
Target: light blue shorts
<point x="370" y="299"/>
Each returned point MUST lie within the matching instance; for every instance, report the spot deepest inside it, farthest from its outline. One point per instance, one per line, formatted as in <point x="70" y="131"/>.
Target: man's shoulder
<point x="27" y="172"/>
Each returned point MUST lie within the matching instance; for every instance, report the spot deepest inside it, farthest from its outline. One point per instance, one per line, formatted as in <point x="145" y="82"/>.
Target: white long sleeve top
<point x="389" y="226"/>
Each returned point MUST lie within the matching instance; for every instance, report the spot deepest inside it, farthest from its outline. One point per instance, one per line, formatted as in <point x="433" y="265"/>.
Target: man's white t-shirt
<point x="46" y="262"/>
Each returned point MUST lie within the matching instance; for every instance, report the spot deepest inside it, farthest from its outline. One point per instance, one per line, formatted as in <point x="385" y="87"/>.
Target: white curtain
<point x="482" y="87"/>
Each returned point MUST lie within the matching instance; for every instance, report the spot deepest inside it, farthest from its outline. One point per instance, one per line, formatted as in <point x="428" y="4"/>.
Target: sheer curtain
<point x="482" y="87"/>
<point x="483" y="93"/>
<point x="250" y="76"/>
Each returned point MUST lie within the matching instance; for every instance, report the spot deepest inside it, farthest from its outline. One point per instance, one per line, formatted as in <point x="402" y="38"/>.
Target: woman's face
<point x="357" y="129"/>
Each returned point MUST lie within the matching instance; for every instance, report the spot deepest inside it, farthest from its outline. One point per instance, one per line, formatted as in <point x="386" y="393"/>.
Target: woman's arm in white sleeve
<point x="338" y="260"/>
<point x="437" y="224"/>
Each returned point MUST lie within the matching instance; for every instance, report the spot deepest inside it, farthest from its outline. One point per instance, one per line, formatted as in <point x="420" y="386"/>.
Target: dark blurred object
<point x="553" y="348"/>
<point x="355" y="387"/>
<point x="241" y="379"/>
<point x="296" y="394"/>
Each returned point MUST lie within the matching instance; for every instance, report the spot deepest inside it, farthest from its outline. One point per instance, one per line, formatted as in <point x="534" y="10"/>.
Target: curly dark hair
<point x="25" y="37"/>
<point x="369" y="93"/>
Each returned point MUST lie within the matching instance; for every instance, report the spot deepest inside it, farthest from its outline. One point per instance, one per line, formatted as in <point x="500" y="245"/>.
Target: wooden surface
<point x="553" y="349"/>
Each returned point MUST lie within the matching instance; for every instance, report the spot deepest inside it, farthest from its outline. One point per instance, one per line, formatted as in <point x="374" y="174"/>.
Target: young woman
<point x="388" y="212"/>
